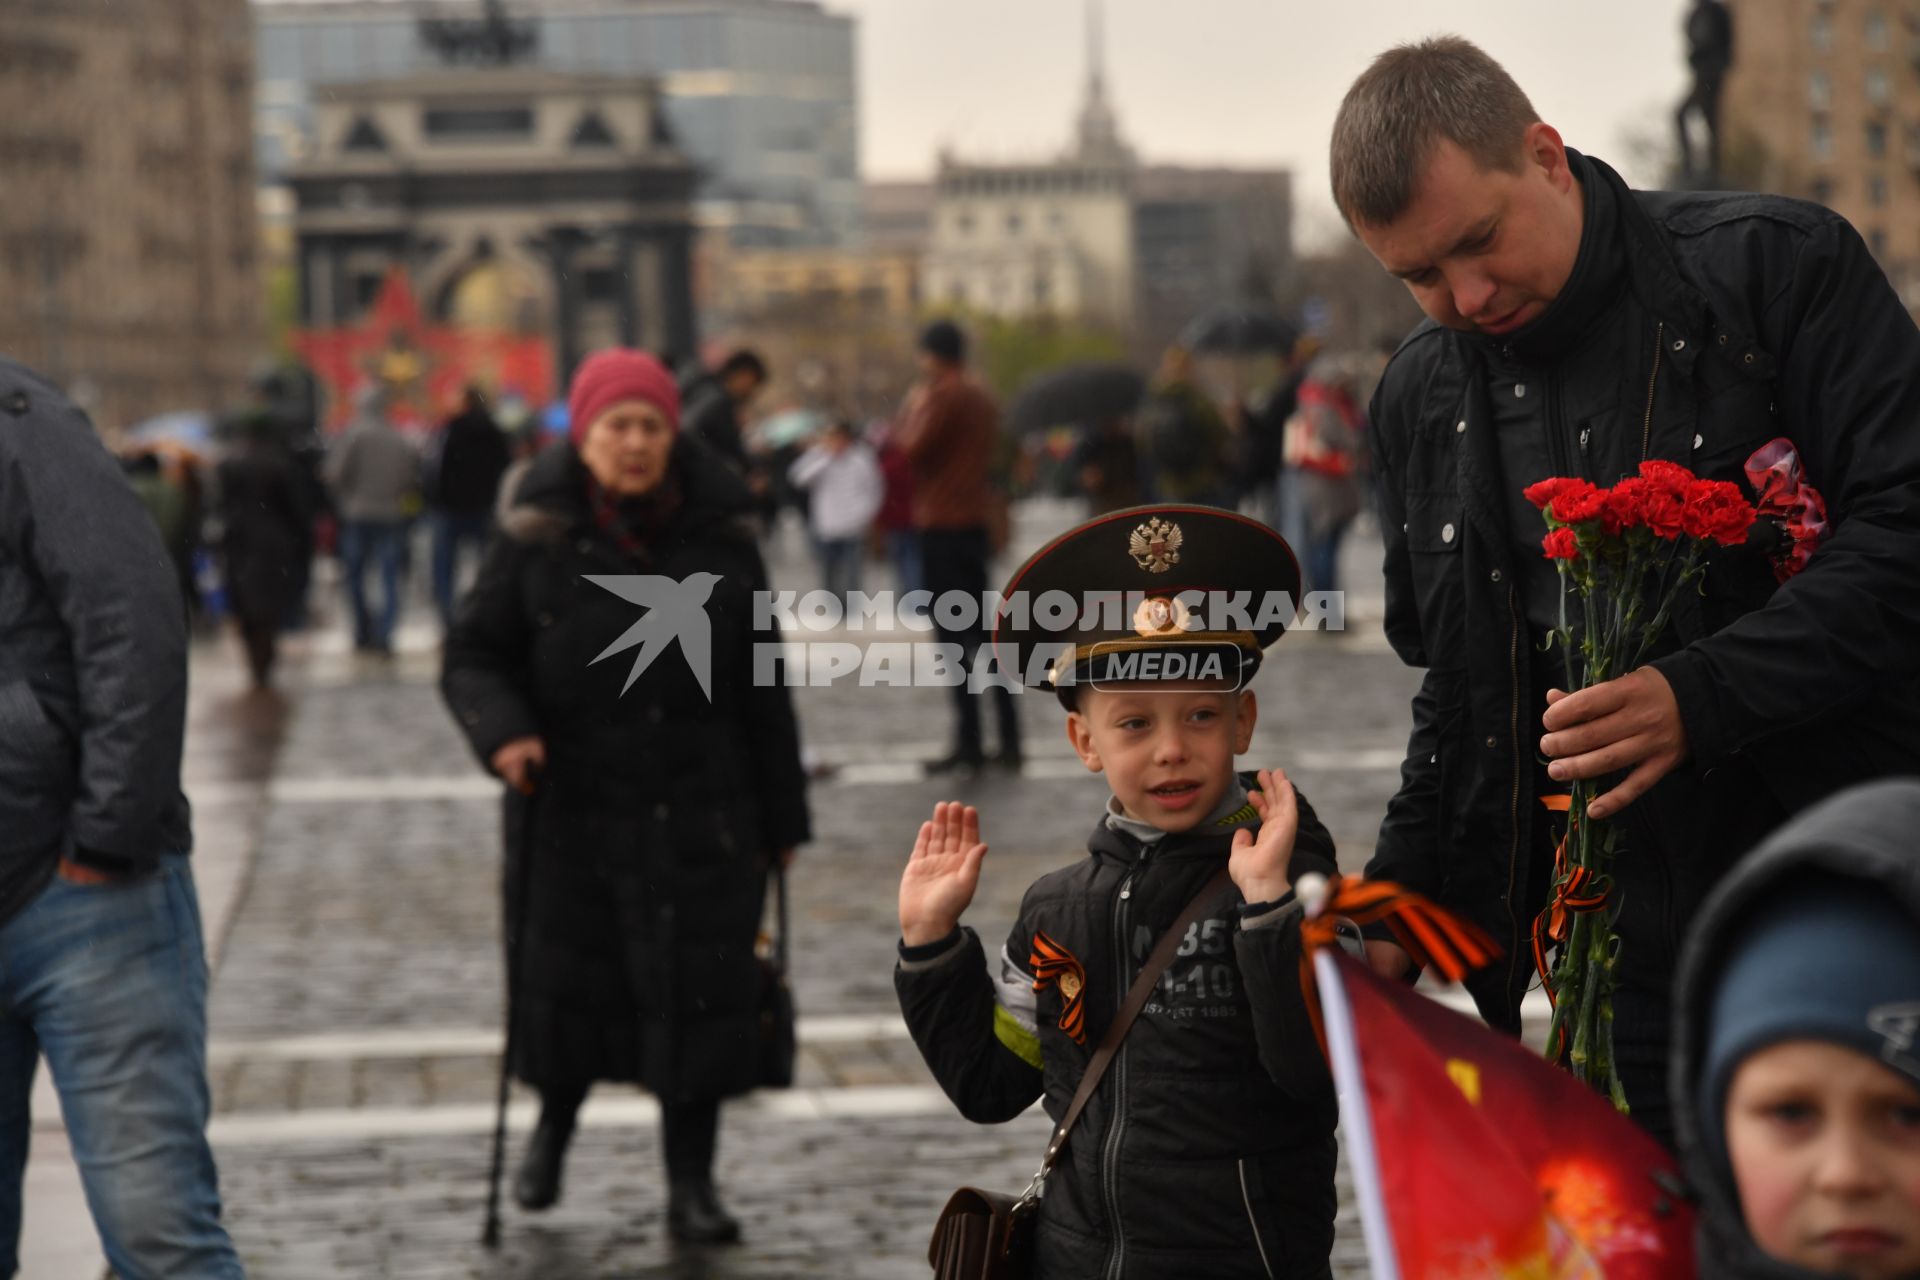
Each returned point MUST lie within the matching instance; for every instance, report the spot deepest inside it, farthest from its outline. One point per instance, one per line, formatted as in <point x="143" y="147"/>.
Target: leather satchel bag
<point x="988" y="1235"/>
<point x="776" y="1047"/>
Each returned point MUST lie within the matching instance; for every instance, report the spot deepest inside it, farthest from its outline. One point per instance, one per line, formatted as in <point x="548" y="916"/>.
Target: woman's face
<point x="627" y="447"/>
<point x="1825" y="1147"/>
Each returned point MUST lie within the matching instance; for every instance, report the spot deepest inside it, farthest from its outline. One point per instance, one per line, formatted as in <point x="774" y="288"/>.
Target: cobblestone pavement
<point x="356" y="1008"/>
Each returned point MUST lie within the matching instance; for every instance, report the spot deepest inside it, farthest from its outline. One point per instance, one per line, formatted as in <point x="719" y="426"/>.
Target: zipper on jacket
<point x="1117" y="1074"/>
<point x="1653" y="380"/>
<point x="1513" y="818"/>
<point x="1247" y="1199"/>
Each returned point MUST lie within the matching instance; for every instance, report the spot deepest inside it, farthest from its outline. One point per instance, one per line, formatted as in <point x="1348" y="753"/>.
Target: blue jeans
<point x="378" y="542"/>
<point x="110" y="982"/>
<point x="450" y="533"/>
<point x="903" y="547"/>
<point x="840" y="563"/>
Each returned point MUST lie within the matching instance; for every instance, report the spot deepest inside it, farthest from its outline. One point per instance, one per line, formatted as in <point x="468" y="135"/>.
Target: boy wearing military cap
<point x="1207" y="1148"/>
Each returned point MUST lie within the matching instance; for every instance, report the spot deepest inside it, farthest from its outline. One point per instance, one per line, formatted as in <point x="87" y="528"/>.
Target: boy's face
<point x="1825" y="1148"/>
<point x="1167" y="756"/>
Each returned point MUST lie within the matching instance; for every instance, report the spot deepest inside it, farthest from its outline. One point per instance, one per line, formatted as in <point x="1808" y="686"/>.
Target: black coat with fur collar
<point x="661" y="803"/>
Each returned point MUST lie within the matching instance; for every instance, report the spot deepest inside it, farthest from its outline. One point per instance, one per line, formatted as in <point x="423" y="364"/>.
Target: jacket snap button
<point x="1723" y="339"/>
<point x="1698" y="441"/>
<point x="1520" y="389"/>
<point x="1747" y="358"/>
<point x="1492" y="743"/>
<point x="1404" y="527"/>
<point x="1460" y="426"/>
<point x="1495" y="575"/>
<point x="1446" y="533"/>
<point x="1679" y="344"/>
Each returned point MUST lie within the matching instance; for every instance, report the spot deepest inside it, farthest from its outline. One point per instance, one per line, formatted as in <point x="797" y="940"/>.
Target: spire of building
<point x="1099" y="138"/>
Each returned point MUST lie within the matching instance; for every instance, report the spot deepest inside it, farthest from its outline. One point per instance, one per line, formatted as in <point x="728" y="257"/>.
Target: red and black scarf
<point x="634" y="524"/>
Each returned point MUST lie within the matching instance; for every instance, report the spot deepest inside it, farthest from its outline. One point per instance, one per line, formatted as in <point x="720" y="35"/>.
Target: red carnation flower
<point x="1545" y="491"/>
<point x="1561" y="544"/>
<point x="1667" y="475"/>
<point x="1626" y="506"/>
<point x="1716" y="509"/>
<point x="1578" y="501"/>
<point x="1663" y="510"/>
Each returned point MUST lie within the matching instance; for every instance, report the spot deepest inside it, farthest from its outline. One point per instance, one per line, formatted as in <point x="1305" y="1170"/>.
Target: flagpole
<point x="1355" y="1116"/>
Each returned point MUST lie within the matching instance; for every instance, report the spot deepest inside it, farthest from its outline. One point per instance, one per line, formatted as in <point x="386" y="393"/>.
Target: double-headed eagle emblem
<point x="1155" y="545"/>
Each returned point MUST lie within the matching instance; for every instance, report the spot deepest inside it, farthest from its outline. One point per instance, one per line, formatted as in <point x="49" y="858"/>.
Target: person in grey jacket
<point x="101" y="961"/>
<point x="374" y="477"/>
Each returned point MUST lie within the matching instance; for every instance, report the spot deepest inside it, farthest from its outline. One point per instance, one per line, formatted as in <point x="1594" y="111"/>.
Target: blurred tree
<point x="281" y="283"/>
<point x="1007" y="352"/>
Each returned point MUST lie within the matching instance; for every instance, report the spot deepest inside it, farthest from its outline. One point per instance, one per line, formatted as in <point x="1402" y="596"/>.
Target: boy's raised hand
<point x="942" y="873"/>
<point x="1259" y="862"/>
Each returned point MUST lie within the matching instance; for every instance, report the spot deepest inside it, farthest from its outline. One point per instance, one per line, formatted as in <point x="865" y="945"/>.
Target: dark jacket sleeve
<point x="985" y="1056"/>
<point x="68" y="515"/>
<point x="1408" y="850"/>
<point x="1849" y="392"/>
<point x="483" y="674"/>
<point x="780" y="778"/>
<point x="1267" y="949"/>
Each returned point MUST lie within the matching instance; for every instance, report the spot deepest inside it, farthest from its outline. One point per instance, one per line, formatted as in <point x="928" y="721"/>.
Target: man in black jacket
<point x="1579" y="328"/>
<point x="472" y="457"/>
<point x="101" y="961"/>
<point x="714" y="404"/>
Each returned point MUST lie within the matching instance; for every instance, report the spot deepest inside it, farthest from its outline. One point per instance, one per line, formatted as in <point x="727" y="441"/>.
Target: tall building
<point x="1096" y="233"/>
<point x="760" y="93"/>
<point x="1205" y="235"/>
<point x="127" y="250"/>
<point x="1042" y="237"/>
<point x="1823" y="102"/>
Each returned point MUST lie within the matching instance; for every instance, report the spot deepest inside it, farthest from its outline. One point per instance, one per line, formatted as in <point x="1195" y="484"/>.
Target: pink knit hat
<point x="605" y="378"/>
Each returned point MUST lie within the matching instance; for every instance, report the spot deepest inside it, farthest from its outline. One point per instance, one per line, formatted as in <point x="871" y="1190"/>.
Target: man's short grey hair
<point x="1400" y="108"/>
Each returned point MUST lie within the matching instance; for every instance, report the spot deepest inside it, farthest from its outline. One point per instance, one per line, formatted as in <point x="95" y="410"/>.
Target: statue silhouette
<point x="1709" y="28"/>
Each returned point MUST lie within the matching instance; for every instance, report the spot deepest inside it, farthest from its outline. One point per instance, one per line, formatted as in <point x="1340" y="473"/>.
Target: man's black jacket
<point x="93" y="655"/>
<point x="1208" y="1147"/>
<point x="1746" y="318"/>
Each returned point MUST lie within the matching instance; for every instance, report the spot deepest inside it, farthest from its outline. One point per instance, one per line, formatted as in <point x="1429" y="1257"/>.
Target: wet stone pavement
<point x="356" y="1006"/>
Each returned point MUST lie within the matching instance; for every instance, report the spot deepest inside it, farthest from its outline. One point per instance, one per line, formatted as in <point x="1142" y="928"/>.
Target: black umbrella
<point x="1076" y="394"/>
<point x="1239" y="329"/>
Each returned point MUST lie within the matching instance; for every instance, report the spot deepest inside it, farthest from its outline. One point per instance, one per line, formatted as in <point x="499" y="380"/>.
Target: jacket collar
<point x="549" y="496"/>
<point x="1128" y="838"/>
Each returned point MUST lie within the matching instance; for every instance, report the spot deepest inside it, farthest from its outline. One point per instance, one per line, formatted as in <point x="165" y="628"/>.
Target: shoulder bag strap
<point x="1137" y="997"/>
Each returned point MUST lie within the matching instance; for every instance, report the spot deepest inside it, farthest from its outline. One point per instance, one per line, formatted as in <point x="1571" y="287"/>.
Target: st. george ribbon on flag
<point x="1473" y="1157"/>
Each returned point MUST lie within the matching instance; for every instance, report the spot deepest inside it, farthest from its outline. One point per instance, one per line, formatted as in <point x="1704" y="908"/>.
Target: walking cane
<point x="516" y="957"/>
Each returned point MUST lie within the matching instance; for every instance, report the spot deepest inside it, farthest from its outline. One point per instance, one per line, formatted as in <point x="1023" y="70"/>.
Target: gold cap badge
<point x="1155" y="545"/>
<point x="1161" y="616"/>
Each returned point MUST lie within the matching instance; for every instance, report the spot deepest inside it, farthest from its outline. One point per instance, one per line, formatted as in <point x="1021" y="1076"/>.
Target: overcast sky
<point x="1252" y="82"/>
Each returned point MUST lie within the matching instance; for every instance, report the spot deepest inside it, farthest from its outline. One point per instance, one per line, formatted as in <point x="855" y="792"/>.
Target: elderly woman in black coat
<point x="603" y="668"/>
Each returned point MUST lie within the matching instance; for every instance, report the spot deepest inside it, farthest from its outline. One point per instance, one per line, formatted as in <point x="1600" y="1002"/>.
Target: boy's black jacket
<point x="1208" y="1149"/>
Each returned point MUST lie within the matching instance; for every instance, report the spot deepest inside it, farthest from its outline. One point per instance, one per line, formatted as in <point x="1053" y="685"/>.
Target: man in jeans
<point x="374" y="475"/>
<point x="951" y="436"/>
<point x="101" y="966"/>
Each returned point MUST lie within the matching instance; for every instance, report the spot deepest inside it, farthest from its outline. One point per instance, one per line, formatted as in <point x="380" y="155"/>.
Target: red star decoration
<point x="346" y="358"/>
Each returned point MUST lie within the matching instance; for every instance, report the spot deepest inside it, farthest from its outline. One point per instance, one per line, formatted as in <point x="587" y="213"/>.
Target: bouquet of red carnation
<point x="1624" y="556"/>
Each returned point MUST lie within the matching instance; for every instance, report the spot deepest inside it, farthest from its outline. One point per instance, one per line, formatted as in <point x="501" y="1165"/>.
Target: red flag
<point x="1475" y="1158"/>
